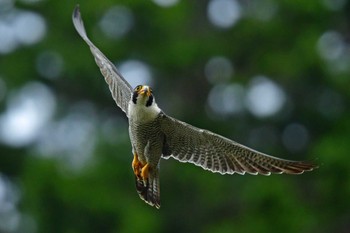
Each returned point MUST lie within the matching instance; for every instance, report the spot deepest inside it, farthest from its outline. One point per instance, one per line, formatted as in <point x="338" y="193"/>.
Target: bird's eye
<point x="138" y="87"/>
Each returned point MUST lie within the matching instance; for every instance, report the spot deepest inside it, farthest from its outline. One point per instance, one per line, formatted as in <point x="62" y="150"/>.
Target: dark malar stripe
<point x="134" y="97"/>
<point x="149" y="101"/>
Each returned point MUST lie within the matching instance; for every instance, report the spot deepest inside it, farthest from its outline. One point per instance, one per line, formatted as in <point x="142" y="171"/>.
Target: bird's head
<point x="143" y="95"/>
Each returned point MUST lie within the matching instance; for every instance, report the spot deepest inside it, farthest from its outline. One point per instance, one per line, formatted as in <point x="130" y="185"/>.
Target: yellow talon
<point x="141" y="171"/>
<point x="136" y="166"/>
<point x="144" y="172"/>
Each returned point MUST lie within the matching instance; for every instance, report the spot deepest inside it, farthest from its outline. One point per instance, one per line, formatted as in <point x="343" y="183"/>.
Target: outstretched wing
<point x="215" y="153"/>
<point x="119" y="87"/>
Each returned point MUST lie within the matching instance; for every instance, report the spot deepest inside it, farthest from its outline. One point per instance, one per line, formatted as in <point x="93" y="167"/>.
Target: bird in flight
<point x="154" y="136"/>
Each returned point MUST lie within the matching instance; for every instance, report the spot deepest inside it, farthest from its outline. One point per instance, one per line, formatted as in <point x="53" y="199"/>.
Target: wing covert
<point x="119" y="87"/>
<point x="216" y="153"/>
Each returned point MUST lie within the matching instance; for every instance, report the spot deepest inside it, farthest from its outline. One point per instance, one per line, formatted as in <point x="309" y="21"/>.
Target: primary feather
<point x="216" y="153"/>
<point x="119" y="87"/>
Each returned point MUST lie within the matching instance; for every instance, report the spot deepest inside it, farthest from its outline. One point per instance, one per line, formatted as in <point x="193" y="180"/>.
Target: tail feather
<point x="149" y="190"/>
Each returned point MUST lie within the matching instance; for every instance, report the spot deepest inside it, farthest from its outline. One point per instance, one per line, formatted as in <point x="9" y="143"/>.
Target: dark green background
<point x="176" y="43"/>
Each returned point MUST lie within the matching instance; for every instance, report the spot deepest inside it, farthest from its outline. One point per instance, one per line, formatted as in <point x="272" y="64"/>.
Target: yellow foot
<point x="144" y="172"/>
<point x="137" y="166"/>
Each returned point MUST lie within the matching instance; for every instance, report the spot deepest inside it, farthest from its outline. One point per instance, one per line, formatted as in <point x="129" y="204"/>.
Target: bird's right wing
<point x="119" y="87"/>
<point x="216" y="153"/>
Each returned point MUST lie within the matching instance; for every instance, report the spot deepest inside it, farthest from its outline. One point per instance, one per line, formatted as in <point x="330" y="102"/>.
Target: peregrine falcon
<point x="155" y="135"/>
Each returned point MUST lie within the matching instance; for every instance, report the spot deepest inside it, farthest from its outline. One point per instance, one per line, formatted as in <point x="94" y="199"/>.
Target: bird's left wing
<point x="216" y="153"/>
<point x="119" y="87"/>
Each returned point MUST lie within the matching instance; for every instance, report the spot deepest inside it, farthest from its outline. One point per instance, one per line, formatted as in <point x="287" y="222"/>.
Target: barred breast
<point x="147" y="140"/>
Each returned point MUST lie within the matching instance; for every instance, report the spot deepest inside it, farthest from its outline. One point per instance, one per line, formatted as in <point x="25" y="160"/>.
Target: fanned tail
<point x="149" y="190"/>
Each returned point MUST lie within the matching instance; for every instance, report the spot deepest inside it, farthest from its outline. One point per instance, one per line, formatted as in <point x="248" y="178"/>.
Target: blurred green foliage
<point x="176" y="42"/>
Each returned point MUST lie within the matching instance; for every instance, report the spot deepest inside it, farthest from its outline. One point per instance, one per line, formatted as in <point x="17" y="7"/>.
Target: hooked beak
<point x="145" y="91"/>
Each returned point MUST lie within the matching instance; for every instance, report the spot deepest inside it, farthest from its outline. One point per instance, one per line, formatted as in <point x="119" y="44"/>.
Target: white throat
<point x="141" y="114"/>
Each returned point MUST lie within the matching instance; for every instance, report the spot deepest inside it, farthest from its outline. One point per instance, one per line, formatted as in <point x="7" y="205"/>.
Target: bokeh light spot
<point x="117" y="21"/>
<point x="49" y="64"/>
<point x="8" y="41"/>
<point x="166" y="3"/>
<point x="20" y="28"/>
<point x="28" y="111"/>
<point x="29" y="27"/>
<point x="218" y="70"/>
<point x="9" y="197"/>
<point x="136" y="72"/>
<point x="264" y="97"/>
<point x="71" y="139"/>
<point x="225" y="100"/>
<point x="330" y="45"/>
<point x="224" y="13"/>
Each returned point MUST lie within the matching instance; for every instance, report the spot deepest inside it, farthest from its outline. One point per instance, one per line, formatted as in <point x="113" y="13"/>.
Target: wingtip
<point x="78" y="23"/>
<point x="301" y="167"/>
<point x="310" y="165"/>
<point x="315" y="163"/>
<point x="76" y="12"/>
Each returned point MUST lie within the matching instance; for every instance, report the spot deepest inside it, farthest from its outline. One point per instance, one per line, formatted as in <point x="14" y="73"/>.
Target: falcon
<point x="154" y="136"/>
